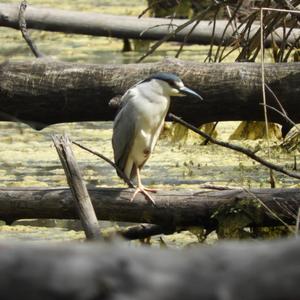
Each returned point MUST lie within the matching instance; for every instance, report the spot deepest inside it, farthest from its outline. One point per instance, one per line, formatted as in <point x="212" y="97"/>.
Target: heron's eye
<point x="173" y="84"/>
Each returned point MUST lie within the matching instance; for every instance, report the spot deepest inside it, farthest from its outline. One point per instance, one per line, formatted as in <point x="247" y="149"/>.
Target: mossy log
<point x="127" y="26"/>
<point x="44" y="92"/>
<point x="173" y="208"/>
<point x="230" y="270"/>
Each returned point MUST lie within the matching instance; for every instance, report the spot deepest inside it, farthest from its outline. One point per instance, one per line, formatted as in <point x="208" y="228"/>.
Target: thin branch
<point x="237" y="148"/>
<point x="186" y="38"/>
<point x="241" y="40"/>
<point x="178" y="29"/>
<point x="25" y="33"/>
<point x="277" y="100"/>
<point x="156" y="26"/>
<point x="262" y="49"/>
<point x="144" y="11"/>
<point x="123" y="175"/>
<point x="298" y="223"/>
<point x="205" y="142"/>
<point x="270" y="210"/>
<point x="272" y="21"/>
<point x="284" y="115"/>
<point x="279" y="10"/>
<point x="291" y="48"/>
<point x="283" y="112"/>
<point x="209" y="55"/>
<point x="235" y="30"/>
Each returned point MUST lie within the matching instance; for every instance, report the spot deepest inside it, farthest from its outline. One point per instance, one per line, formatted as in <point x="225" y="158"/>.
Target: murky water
<point x="28" y="158"/>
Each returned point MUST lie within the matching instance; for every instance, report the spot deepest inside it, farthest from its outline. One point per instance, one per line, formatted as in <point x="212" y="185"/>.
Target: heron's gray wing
<point x="123" y="135"/>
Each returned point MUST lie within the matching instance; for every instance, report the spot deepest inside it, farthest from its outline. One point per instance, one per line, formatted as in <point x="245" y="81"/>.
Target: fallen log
<point x="173" y="208"/>
<point x="44" y="92"/>
<point x="231" y="270"/>
<point x="128" y="26"/>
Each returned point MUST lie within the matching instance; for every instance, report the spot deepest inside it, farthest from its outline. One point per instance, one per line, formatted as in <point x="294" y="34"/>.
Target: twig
<point x="284" y="115"/>
<point x="178" y="29"/>
<point x="279" y="10"/>
<point x="239" y="41"/>
<point x="277" y="100"/>
<point x="298" y="223"/>
<point x="234" y="28"/>
<point x="144" y="11"/>
<point x="291" y="49"/>
<point x="205" y="142"/>
<point x="237" y="148"/>
<point x="186" y="38"/>
<point x="233" y="24"/>
<point x="123" y="175"/>
<point x="262" y="49"/>
<point x="209" y="55"/>
<point x="270" y="210"/>
<point x="271" y="21"/>
<point x="283" y="111"/>
<point x="156" y="26"/>
<point x="80" y="194"/>
<point x="25" y="33"/>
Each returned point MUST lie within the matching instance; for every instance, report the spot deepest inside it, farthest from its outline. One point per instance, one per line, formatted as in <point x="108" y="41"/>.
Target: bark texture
<point x="232" y="270"/>
<point x="78" y="188"/>
<point x="173" y="208"/>
<point x="126" y="26"/>
<point x="44" y="92"/>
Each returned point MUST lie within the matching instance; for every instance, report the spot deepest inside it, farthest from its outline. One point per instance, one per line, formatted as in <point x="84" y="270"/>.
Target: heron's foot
<point x="150" y="190"/>
<point x="143" y="191"/>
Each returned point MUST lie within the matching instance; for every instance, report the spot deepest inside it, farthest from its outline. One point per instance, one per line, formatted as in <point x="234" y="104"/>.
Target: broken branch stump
<point x="79" y="191"/>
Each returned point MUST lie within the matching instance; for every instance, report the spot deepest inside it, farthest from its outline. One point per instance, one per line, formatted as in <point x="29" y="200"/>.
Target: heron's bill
<point x="186" y="91"/>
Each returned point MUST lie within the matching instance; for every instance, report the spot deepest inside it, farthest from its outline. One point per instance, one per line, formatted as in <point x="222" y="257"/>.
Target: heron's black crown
<point x="170" y="78"/>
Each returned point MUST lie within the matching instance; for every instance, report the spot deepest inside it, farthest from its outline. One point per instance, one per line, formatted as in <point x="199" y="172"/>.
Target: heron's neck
<point x="154" y="92"/>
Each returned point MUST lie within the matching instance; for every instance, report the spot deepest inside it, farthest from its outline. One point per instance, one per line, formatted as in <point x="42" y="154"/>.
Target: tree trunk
<point x="173" y="208"/>
<point x="252" y="130"/>
<point x="44" y="92"/>
<point x="231" y="270"/>
<point x="124" y="26"/>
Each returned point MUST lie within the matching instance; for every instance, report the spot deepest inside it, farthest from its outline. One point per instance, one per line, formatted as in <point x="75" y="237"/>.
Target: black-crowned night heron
<point x="139" y="122"/>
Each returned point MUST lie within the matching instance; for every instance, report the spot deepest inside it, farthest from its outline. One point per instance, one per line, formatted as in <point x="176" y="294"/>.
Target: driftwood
<point x="174" y="208"/>
<point x="231" y="270"/>
<point x="44" y="92"/>
<point x="127" y="26"/>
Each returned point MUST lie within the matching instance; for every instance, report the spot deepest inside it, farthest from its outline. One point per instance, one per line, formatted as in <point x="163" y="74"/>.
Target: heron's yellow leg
<point x="141" y="189"/>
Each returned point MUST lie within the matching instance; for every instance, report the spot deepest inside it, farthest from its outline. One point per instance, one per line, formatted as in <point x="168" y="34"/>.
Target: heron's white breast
<point x="151" y="109"/>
